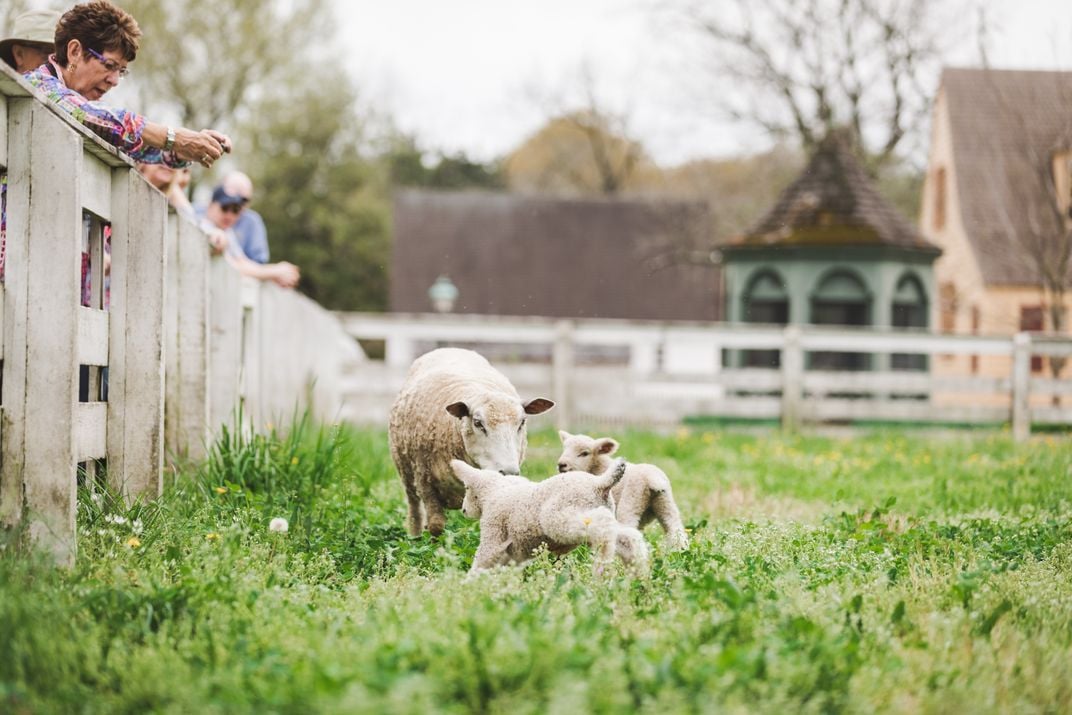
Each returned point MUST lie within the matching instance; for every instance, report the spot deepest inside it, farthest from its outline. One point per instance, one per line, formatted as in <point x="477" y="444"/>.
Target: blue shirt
<point x="252" y="235"/>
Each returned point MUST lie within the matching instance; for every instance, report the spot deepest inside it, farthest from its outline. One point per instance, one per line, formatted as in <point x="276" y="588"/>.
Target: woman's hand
<point x="203" y="147"/>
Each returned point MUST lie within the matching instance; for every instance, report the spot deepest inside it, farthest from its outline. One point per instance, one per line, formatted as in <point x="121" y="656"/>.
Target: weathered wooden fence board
<point x="136" y="352"/>
<point x="40" y="366"/>
<point x="187" y="346"/>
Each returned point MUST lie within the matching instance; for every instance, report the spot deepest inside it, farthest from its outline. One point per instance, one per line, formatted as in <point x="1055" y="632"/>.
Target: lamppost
<point x="443" y="293"/>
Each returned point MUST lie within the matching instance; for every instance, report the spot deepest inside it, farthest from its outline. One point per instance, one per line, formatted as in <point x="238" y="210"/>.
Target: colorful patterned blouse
<point x="119" y="127"/>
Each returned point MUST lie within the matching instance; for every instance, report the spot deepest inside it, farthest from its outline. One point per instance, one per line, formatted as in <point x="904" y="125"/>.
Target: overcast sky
<point x="460" y="74"/>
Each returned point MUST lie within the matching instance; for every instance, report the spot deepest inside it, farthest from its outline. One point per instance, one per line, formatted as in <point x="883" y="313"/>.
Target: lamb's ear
<point x="458" y="409"/>
<point x="537" y="406"/>
<point x="606" y="446"/>
<point x="468" y="474"/>
<point x="564" y="435"/>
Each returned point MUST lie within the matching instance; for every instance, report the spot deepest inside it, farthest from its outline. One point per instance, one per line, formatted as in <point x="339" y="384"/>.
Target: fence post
<point x="792" y="378"/>
<point x="41" y="306"/>
<point x="136" y="336"/>
<point x="1021" y="386"/>
<point x="186" y="416"/>
<point x="561" y="369"/>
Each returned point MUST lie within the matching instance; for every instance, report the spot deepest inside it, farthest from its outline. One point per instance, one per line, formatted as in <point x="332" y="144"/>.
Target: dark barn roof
<point x="1005" y="126"/>
<point x="523" y="255"/>
<point x="833" y="203"/>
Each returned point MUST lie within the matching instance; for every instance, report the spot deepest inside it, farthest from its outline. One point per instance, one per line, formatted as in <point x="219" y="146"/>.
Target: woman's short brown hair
<point x="99" y="25"/>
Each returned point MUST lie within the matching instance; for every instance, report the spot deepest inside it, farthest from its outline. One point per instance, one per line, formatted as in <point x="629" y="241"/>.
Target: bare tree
<point x="801" y="68"/>
<point x="586" y="145"/>
<point x="208" y="63"/>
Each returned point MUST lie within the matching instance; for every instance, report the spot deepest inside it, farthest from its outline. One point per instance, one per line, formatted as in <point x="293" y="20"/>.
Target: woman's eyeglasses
<point x="232" y="208"/>
<point x="110" y="65"/>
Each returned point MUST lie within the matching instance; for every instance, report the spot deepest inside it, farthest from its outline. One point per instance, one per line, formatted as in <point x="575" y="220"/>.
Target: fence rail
<point x="175" y="345"/>
<point x="660" y="373"/>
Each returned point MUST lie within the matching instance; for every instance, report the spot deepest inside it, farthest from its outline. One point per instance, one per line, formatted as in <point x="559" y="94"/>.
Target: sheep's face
<point x="471" y="504"/>
<point x="494" y="432"/>
<point x="581" y="453"/>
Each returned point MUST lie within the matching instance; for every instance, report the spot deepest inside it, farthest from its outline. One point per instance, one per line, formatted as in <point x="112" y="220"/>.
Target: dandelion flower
<point x="278" y="525"/>
<point x="293" y="460"/>
<point x="133" y="542"/>
<point x="212" y="536"/>
<point x="221" y="490"/>
<point x="587" y="520"/>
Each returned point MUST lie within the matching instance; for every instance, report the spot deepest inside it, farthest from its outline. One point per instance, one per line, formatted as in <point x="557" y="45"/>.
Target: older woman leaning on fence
<point x="94" y="44"/>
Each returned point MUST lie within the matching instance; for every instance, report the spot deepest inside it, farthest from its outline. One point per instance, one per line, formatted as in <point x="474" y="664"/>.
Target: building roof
<point x="1005" y="127"/>
<point x="535" y="255"/>
<point x="833" y="203"/>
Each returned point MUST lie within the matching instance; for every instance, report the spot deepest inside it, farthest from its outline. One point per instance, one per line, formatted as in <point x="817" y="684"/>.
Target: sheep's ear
<point x="468" y="474"/>
<point x="458" y="409"/>
<point x="564" y="435"/>
<point x="606" y="446"/>
<point x="537" y="406"/>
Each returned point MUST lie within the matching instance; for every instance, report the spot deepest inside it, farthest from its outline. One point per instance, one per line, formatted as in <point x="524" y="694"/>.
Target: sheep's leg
<point x="630" y="507"/>
<point x="414" y="511"/>
<point x="601" y="528"/>
<point x="433" y="506"/>
<point x="632" y="550"/>
<point x="489" y="555"/>
<point x="670" y="519"/>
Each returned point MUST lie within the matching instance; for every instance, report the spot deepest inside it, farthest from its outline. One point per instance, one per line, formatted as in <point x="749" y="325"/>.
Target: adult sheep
<point x="454" y="405"/>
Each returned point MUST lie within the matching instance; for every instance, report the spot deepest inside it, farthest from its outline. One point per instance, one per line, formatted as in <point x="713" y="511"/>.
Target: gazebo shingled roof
<point x="833" y="203"/>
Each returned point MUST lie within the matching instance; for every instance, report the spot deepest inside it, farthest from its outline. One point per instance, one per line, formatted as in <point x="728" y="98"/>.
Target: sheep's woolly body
<point x="424" y="437"/>
<point x="518" y="516"/>
<point x="644" y="493"/>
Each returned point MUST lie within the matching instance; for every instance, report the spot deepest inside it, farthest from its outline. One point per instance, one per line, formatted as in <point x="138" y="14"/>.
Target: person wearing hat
<point x="222" y="214"/>
<point x="31" y="40"/>
<point x="249" y="229"/>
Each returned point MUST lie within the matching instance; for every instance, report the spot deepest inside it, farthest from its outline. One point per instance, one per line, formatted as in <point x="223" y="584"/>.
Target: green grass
<point x="884" y="573"/>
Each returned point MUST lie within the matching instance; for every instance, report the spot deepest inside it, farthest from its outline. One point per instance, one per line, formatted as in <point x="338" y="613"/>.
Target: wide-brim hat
<point x="37" y="27"/>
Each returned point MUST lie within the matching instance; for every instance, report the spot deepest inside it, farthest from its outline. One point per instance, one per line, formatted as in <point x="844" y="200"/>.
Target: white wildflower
<point x="136" y="526"/>
<point x="278" y="525"/>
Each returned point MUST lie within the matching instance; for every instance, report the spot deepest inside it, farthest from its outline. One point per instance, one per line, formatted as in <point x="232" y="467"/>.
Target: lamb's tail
<point x="614" y="475"/>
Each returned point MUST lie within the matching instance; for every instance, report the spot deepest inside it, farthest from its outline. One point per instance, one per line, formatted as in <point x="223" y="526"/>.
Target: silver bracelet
<point x="170" y="142"/>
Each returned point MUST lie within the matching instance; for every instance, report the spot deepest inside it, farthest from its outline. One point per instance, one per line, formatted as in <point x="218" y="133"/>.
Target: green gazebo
<point x="831" y="251"/>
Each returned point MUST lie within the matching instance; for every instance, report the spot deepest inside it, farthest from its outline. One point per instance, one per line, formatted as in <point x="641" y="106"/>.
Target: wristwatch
<point x="170" y="142"/>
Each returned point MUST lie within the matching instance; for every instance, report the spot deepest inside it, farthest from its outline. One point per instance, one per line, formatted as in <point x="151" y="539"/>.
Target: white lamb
<point x="642" y="496"/>
<point x="517" y="516"/>
<point x="454" y="405"/>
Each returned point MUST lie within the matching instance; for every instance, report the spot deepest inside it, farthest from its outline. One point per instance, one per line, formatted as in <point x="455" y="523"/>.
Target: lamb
<point x="517" y="516"/>
<point x="454" y="405"/>
<point x="643" y="494"/>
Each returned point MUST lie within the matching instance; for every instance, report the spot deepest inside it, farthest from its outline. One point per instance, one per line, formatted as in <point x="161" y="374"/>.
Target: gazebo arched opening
<point x="765" y="300"/>
<point x="910" y="309"/>
<point x="841" y="298"/>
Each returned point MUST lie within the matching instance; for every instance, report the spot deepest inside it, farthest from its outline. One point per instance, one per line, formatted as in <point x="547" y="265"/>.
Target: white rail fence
<point x="618" y="373"/>
<point x="182" y="344"/>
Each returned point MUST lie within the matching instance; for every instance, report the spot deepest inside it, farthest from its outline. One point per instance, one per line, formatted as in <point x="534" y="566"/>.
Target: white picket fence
<point x="622" y="373"/>
<point x="186" y="340"/>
